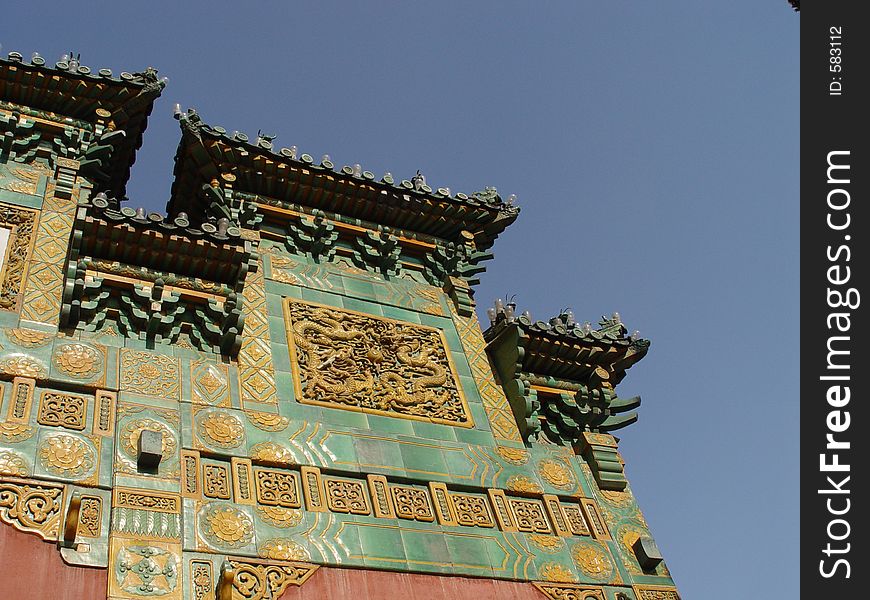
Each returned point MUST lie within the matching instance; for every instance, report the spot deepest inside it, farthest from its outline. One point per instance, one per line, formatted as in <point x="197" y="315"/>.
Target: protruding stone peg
<point x="225" y="584"/>
<point x="150" y="451"/>
<point x="71" y="523"/>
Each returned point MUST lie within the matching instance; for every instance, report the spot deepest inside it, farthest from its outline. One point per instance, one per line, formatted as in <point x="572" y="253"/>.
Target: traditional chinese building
<point x="279" y="389"/>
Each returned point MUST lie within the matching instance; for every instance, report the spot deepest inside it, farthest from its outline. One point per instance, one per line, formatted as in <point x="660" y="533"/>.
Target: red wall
<point x="354" y="584"/>
<point x="33" y="570"/>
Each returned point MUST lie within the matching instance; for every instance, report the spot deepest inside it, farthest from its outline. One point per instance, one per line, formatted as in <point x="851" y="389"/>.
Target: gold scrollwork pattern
<point x="21" y="222"/>
<point x="272" y="453"/>
<point x="514" y="456"/>
<point x="567" y="591"/>
<point x="216" y="481"/>
<point x="90" y="516"/>
<point x="412" y="503"/>
<point x="552" y="571"/>
<point x="255" y="581"/>
<point x="149" y="374"/>
<point x="201" y="580"/>
<point x="471" y="511"/>
<point x="62" y="410"/>
<point x="278" y="488"/>
<point x="267" y="421"/>
<point x="550" y="544"/>
<point x="344" y="496"/>
<point x="32" y="507"/>
<point x="656" y="593"/>
<point x="354" y="361"/>
<point x="530" y="515"/>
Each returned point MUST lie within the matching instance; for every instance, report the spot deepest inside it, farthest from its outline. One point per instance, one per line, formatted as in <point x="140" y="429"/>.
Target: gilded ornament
<point x="15" y="432"/>
<point x="568" y="591"/>
<point x="267" y="421"/>
<point x="32" y="507"/>
<point x="148" y="371"/>
<point x="17" y="254"/>
<point x="471" y="510"/>
<point x="280" y="549"/>
<point x="515" y="456"/>
<point x="280" y="516"/>
<point x="67" y="456"/>
<point x="412" y="503"/>
<point x="23" y="365"/>
<point x="78" y="360"/>
<point x="353" y="361"/>
<point x="29" y="338"/>
<point x="616" y="498"/>
<point x="225" y="525"/>
<point x="257" y="581"/>
<point x="656" y="593"/>
<point x="278" y="488"/>
<point x="557" y="474"/>
<point x="149" y="374"/>
<point x="555" y="572"/>
<point x="220" y="429"/>
<point x="550" y="544"/>
<point x="62" y="410"/>
<point x="530" y="515"/>
<point x="90" y="516"/>
<point x="12" y="463"/>
<point x="592" y="559"/>
<point x="272" y="453"/>
<point x="521" y="483"/>
<point x="210" y="382"/>
<point x="146" y="570"/>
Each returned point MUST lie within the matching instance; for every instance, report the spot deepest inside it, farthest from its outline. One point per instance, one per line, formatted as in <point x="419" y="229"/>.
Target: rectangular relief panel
<point x="355" y="361"/>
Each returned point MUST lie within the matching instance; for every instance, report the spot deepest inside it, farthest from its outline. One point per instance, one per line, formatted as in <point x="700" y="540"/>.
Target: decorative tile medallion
<point x="219" y="429"/>
<point x="280" y="516"/>
<point x="16" y="432"/>
<point x="557" y="474"/>
<point x="281" y="549"/>
<point x="593" y="559"/>
<point x="12" y="463"/>
<point x="28" y="338"/>
<point x="551" y="544"/>
<point x="68" y="456"/>
<point x="146" y="570"/>
<point x="225" y="526"/>
<point x="79" y="361"/>
<point x="354" y="361"/>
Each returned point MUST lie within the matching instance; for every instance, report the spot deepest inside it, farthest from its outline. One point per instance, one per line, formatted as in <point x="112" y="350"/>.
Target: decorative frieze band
<point x="307" y="488"/>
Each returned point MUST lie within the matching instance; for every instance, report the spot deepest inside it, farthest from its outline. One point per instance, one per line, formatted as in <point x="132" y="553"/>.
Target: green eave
<point x="568" y="354"/>
<point x="73" y="97"/>
<point x="207" y="154"/>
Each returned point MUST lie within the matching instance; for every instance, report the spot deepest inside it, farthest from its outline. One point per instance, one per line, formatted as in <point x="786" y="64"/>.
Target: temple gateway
<point x="279" y="388"/>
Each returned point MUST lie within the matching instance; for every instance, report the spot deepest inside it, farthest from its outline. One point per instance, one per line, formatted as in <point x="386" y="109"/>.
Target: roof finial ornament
<point x="264" y="140"/>
<point x="418" y="180"/>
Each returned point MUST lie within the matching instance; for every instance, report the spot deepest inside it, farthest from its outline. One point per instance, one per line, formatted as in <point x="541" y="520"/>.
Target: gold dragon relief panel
<point x="355" y="361"/>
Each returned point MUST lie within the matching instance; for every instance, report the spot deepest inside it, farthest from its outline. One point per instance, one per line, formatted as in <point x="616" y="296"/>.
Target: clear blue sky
<point x="654" y="150"/>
